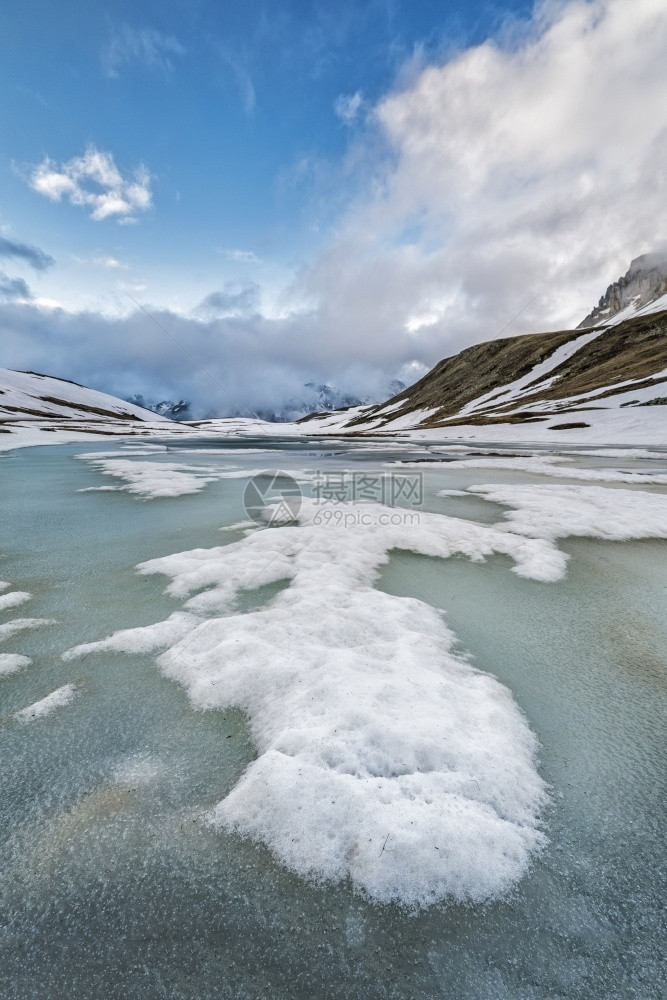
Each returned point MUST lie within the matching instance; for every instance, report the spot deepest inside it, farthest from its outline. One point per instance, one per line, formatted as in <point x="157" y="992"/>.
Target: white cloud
<point x="93" y="181"/>
<point x="47" y="304"/>
<point x="348" y="106"/>
<point x="143" y="46"/>
<point x="239" y="256"/>
<point x="528" y="169"/>
<point x="110" y="263"/>
<point x="133" y="287"/>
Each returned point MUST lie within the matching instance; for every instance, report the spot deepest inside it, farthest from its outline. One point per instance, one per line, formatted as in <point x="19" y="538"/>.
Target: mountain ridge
<point x="532" y="378"/>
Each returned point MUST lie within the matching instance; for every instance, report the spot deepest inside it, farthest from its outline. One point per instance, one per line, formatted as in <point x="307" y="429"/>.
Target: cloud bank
<point x="260" y="363"/>
<point x="518" y="170"/>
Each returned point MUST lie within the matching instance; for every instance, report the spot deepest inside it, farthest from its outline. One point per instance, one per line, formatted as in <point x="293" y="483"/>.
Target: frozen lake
<point x="114" y="882"/>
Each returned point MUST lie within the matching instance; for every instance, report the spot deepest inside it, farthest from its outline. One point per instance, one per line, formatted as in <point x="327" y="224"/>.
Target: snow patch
<point x="145" y="639"/>
<point x="17" y="625"/>
<point x="57" y="699"/>
<point x="551" y="511"/>
<point x="153" y="479"/>
<point x="150" y="480"/>
<point x="13" y="599"/>
<point x="560" y="468"/>
<point x="10" y="663"/>
<point x="513" y="391"/>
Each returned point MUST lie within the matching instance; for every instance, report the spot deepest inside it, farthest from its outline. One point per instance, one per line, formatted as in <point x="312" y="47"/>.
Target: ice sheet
<point x="155" y="479"/>
<point x="384" y="756"/>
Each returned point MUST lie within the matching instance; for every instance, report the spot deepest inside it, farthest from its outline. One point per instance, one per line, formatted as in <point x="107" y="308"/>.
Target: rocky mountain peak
<point x="643" y="283"/>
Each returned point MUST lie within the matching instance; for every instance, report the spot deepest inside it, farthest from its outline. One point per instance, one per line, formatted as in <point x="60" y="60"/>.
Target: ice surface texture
<point x="557" y="467"/>
<point x="561" y="468"/>
<point x="384" y="756"/>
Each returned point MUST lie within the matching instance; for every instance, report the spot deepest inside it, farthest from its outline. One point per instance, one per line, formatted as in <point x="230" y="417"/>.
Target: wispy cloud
<point x="145" y="47"/>
<point x="348" y="107"/>
<point x="242" y="78"/>
<point x="133" y="287"/>
<point x="233" y="300"/>
<point x="13" y="289"/>
<point x="80" y="179"/>
<point x="239" y="256"/>
<point x="110" y="263"/>
<point x="31" y="255"/>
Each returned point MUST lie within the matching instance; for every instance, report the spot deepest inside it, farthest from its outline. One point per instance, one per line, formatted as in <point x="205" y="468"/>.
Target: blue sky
<point x="231" y="107"/>
<point x="266" y="172"/>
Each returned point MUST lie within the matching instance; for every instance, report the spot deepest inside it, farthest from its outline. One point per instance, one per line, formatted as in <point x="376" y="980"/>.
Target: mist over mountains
<point x="642" y="286"/>
<point x="315" y="398"/>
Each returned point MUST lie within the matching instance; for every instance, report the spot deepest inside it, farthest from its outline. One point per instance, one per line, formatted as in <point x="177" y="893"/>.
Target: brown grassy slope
<point x="475" y="371"/>
<point x="634" y="349"/>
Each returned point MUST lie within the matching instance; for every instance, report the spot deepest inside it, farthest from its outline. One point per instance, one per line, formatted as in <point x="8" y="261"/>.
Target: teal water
<point x="110" y="885"/>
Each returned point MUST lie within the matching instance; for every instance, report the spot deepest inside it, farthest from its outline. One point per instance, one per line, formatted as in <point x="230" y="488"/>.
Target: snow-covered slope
<point x="538" y="387"/>
<point x="40" y="409"/>
<point x="28" y="394"/>
<point x="33" y="407"/>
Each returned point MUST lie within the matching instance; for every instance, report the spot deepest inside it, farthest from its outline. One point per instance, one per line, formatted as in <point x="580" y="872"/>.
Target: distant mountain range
<point x="315" y="398"/>
<point x="319" y="398"/>
<point x="173" y="410"/>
